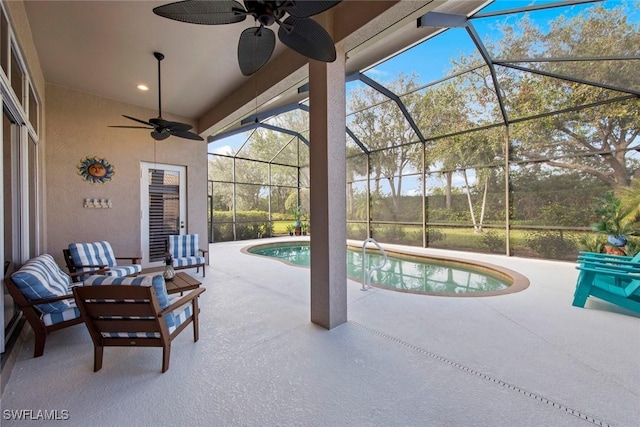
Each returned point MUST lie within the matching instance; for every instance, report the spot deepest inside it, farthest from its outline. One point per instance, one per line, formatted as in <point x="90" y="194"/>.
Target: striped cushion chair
<point x="83" y="257"/>
<point x="43" y="293"/>
<point x="134" y="311"/>
<point x="186" y="253"/>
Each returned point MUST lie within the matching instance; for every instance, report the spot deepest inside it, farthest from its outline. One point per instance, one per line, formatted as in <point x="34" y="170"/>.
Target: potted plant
<point x="304" y="227"/>
<point x="290" y="229"/>
<point x="265" y="229"/>
<point x="297" y="216"/>
<point x="615" y="220"/>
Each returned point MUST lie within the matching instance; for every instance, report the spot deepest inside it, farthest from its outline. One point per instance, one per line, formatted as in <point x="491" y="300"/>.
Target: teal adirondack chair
<point x="614" y="280"/>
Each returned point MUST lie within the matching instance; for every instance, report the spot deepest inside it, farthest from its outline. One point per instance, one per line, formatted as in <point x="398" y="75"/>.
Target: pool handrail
<point x="366" y="275"/>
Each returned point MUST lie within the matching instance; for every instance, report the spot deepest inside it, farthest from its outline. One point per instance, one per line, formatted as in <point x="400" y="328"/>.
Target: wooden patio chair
<point x="84" y="257"/>
<point x="185" y="251"/>
<point x="138" y="315"/>
<point x="43" y="294"/>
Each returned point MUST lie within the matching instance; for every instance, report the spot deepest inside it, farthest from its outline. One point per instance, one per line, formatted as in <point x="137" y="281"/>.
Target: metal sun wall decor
<point x="94" y="169"/>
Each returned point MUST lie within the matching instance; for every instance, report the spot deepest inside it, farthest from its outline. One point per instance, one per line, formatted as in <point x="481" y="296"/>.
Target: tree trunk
<point x="473" y="216"/>
<point x="449" y="177"/>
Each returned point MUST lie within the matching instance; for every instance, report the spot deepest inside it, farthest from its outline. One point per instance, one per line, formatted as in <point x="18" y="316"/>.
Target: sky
<point x="431" y="59"/>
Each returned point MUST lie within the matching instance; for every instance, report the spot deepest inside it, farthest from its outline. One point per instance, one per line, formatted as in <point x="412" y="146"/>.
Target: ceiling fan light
<point x="163" y="129"/>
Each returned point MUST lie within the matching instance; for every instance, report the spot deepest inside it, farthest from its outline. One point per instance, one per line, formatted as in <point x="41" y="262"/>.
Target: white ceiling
<point x="106" y="48"/>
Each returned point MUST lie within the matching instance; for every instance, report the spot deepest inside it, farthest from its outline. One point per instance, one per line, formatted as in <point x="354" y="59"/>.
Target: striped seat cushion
<point x="184" y="245"/>
<point x="54" y="318"/>
<point x="184" y="250"/>
<point x="98" y="253"/>
<point x="180" y="315"/>
<point x="39" y="278"/>
<point x="124" y="270"/>
<point x="186" y="261"/>
<point x="156" y="281"/>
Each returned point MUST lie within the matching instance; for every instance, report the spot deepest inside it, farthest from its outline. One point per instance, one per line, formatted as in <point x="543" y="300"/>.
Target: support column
<point x="327" y="171"/>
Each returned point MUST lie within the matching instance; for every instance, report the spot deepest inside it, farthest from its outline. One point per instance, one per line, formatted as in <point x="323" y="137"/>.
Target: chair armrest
<point x="97" y="266"/>
<point x="48" y="300"/>
<point x="621" y="272"/>
<point x="183" y="300"/>
<point x="133" y="259"/>
<point x="609" y="261"/>
<point x="102" y="269"/>
<point x="630" y="267"/>
<point x="598" y="255"/>
<point x="204" y="254"/>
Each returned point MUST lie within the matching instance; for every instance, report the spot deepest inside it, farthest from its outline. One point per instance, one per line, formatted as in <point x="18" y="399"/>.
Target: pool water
<point x="408" y="274"/>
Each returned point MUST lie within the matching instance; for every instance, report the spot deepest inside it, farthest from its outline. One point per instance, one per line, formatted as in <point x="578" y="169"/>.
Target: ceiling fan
<point x="161" y="128"/>
<point x="256" y="44"/>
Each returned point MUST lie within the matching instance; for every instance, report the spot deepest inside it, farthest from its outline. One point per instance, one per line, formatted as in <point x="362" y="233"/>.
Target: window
<point x="33" y="109"/>
<point x="4" y="43"/>
<point x="17" y="77"/>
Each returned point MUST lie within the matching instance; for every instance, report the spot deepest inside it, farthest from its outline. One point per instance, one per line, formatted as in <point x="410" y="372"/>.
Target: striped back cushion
<point x="98" y="253"/>
<point x="39" y="278"/>
<point x="156" y="281"/>
<point x="183" y="245"/>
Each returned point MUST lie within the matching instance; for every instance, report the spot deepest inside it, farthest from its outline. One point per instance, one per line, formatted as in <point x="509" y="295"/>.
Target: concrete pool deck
<point x="522" y="359"/>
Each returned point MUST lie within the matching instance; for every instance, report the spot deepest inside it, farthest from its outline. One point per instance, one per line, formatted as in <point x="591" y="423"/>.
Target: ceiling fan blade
<point x="203" y="12"/>
<point x="166" y="124"/>
<point x="138" y="120"/>
<point x="308" y="38"/>
<point x="186" y="134"/>
<point x="255" y="48"/>
<point x="305" y="9"/>
<point x="161" y="134"/>
<point x="129" y="127"/>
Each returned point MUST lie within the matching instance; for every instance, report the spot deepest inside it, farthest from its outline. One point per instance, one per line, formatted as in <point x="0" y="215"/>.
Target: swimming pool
<point x="410" y="273"/>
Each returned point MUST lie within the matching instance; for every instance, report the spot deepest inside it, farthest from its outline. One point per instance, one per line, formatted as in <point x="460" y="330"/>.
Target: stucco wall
<point x="77" y="127"/>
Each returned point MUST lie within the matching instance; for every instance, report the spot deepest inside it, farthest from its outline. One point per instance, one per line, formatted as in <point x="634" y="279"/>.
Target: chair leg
<point x="166" y="354"/>
<point x="41" y="338"/>
<point x="583" y="288"/>
<point x="97" y="358"/>
<point x="196" y="327"/>
<point x="203" y="270"/>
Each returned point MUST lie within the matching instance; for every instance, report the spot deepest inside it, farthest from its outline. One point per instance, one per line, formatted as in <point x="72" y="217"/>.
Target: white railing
<point x="366" y="274"/>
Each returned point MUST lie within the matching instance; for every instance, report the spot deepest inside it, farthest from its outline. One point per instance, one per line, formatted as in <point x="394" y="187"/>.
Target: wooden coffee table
<point x="182" y="282"/>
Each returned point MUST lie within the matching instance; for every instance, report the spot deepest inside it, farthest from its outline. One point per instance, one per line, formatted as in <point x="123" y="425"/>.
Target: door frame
<point x="144" y="205"/>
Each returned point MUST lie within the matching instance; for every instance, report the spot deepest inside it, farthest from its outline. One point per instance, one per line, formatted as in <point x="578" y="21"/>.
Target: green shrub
<point x="552" y="245"/>
<point x="494" y="242"/>
<point x="356" y="231"/>
<point x="592" y="242"/>
<point x="434" y="235"/>
<point x="633" y="246"/>
<point x="389" y="234"/>
<point x="223" y="232"/>
<point x="247" y="231"/>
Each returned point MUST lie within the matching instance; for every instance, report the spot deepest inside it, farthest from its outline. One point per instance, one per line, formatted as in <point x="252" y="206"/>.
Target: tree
<point x="381" y="126"/>
<point x="594" y="141"/>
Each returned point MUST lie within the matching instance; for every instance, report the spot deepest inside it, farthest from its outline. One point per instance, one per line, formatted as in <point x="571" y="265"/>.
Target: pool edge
<point x="519" y="282"/>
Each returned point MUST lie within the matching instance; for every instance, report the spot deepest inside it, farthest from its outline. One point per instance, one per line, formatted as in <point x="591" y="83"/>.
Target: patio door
<point x="163" y="210"/>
